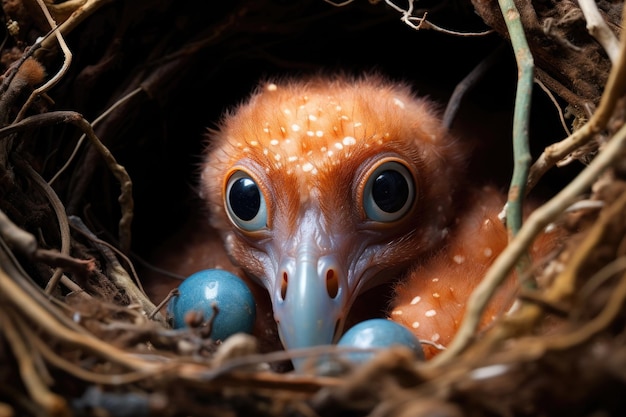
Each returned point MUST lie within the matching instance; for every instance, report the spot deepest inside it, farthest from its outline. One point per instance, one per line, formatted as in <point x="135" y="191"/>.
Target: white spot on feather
<point x="398" y="102"/>
<point x="349" y="140"/>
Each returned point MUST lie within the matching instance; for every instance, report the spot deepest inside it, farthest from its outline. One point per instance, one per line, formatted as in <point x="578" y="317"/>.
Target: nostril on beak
<point x="283" y="285"/>
<point x="332" y="283"/>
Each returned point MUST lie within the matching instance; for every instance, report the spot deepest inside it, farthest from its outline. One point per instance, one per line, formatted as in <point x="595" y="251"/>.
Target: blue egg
<point x="378" y="334"/>
<point x="215" y="286"/>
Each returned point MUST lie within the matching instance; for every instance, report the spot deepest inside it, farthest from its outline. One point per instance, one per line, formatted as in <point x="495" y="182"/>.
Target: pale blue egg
<point x="378" y="334"/>
<point x="235" y="303"/>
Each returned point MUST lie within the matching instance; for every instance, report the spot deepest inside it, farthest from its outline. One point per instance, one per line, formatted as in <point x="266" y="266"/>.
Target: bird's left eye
<point x="245" y="202"/>
<point x="389" y="192"/>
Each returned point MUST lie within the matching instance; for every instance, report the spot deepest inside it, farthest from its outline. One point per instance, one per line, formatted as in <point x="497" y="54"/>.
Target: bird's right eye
<point x="245" y="203"/>
<point x="389" y="192"/>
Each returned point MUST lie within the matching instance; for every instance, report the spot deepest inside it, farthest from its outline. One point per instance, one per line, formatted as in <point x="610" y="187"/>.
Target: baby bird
<point x="324" y="188"/>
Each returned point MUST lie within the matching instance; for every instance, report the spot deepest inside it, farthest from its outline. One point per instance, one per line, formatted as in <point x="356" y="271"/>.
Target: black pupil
<point x="245" y="199"/>
<point x="390" y="191"/>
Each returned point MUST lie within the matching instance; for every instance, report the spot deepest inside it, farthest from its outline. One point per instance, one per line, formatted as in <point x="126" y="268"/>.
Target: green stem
<point x="523" y="96"/>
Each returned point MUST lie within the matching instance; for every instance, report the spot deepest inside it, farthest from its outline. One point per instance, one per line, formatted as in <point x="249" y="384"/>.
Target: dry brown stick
<point x="67" y="60"/>
<point x="198" y="373"/>
<point x="408" y="18"/>
<point x="118" y="275"/>
<point x="75" y="370"/>
<point x="586" y="332"/>
<point x="605" y="273"/>
<point x="23" y="302"/>
<point x="564" y="288"/>
<point x="531" y="348"/>
<point x="59" y="210"/>
<point x="17" y="238"/>
<point x="50" y="403"/>
<point x="77" y="17"/>
<point x="598" y="28"/>
<point x="107" y="250"/>
<point x="614" y="306"/>
<point x="93" y="125"/>
<point x="614" y="90"/>
<point x="18" y="400"/>
<point x="565" y="284"/>
<point x="6" y="410"/>
<point x="467" y="83"/>
<point x="25" y="243"/>
<point x="13" y="269"/>
<point x="548" y="93"/>
<point x="125" y="198"/>
<point x="577" y="103"/>
<point x="173" y="293"/>
<point x="64" y="262"/>
<point x="60" y="11"/>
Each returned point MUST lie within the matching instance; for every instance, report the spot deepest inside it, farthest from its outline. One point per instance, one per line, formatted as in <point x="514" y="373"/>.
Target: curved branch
<point x="125" y="199"/>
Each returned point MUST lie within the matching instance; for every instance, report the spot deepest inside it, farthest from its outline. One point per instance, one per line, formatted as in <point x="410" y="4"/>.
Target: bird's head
<point x="324" y="188"/>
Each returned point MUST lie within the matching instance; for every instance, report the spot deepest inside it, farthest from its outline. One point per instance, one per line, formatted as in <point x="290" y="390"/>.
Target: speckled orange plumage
<point x="431" y="298"/>
<point x="310" y="146"/>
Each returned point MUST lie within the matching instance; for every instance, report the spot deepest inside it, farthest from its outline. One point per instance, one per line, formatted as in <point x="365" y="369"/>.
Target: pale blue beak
<point x="309" y="300"/>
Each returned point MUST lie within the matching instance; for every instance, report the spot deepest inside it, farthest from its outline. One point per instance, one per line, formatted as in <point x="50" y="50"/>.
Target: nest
<point x="102" y="121"/>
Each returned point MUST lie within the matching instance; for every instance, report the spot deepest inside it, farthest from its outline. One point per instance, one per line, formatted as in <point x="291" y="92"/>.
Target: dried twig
<point x="23" y="303"/>
<point x="409" y="19"/>
<point x="173" y="293"/>
<point x="117" y="274"/>
<point x="77" y="17"/>
<point x="468" y="83"/>
<point x="125" y="198"/>
<point x="59" y="210"/>
<point x="13" y="269"/>
<point x="556" y="104"/>
<point x="93" y="125"/>
<point x="16" y="237"/>
<point x="614" y="90"/>
<point x="51" y="404"/>
<point x="67" y="60"/>
<point x="25" y="243"/>
<point x="535" y="223"/>
<point x="564" y="288"/>
<point x="598" y="28"/>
